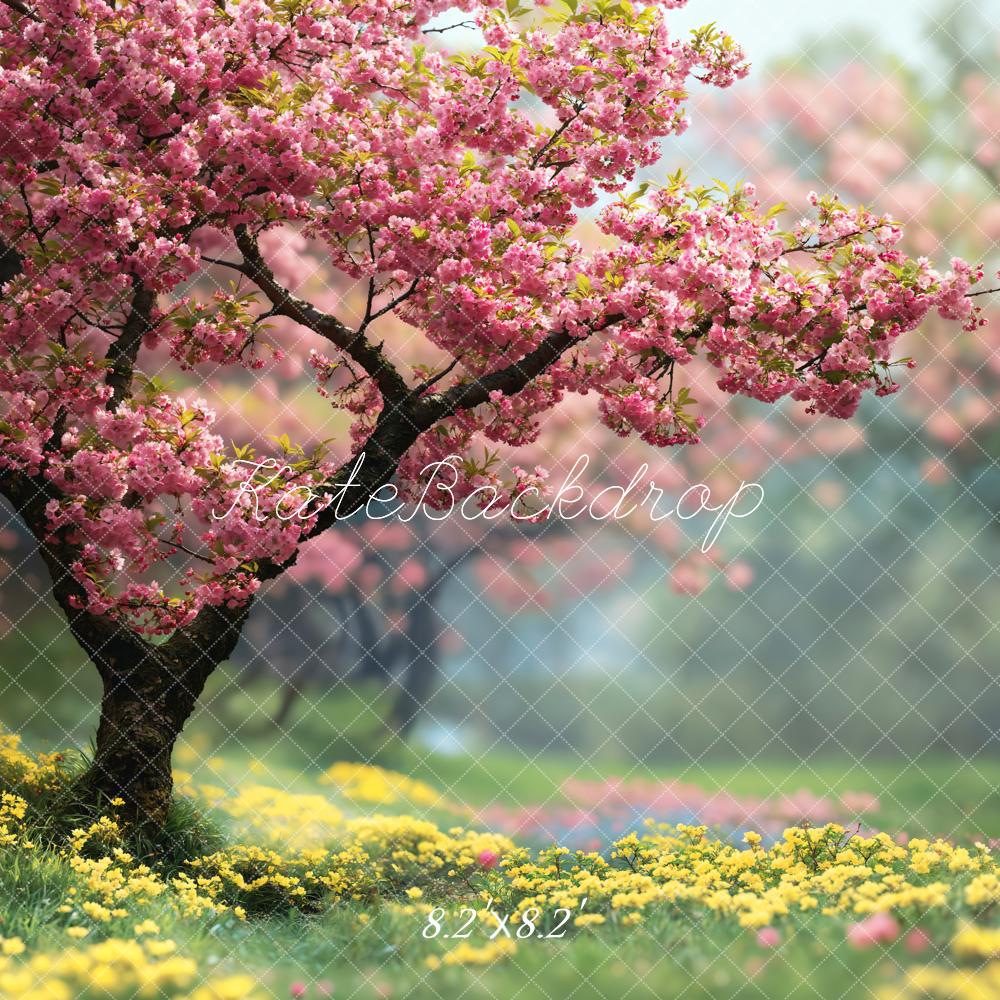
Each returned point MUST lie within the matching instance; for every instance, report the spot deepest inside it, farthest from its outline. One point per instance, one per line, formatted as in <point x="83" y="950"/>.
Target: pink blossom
<point x="917" y="941"/>
<point x="739" y="575"/>
<point x="769" y="937"/>
<point x="859" y="802"/>
<point x="879" y="928"/>
<point x="148" y="157"/>
<point x="688" y="578"/>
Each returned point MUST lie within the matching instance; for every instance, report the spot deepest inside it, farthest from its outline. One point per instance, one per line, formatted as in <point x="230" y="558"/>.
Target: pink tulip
<point x="879" y="928"/>
<point x="298" y="989"/>
<point x="488" y="859"/>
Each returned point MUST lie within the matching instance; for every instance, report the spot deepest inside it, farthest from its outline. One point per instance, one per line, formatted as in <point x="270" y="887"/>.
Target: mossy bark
<point x="150" y="688"/>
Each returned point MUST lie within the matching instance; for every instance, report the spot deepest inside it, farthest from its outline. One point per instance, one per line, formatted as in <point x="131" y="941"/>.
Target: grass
<point x="669" y="956"/>
<point x="927" y="793"/>
<point x="666" y="958"/>
<point x="362" y="951"/>
<point x="661" y="961"/>
<point x="933" y="795"/>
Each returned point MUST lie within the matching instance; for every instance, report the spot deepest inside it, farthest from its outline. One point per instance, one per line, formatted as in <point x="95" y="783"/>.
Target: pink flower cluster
<point x="590" y="812"/>
<point x="137" y="137"/>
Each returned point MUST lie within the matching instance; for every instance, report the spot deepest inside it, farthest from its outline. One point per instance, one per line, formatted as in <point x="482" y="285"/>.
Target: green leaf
<point x="468" y="163"/>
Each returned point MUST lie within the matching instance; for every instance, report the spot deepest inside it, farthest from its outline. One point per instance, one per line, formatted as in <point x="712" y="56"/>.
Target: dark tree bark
<point x="418" y="680"/>
<point x="149" y="694"/>
<point x="374" y="660"/>
<point x="150" y="689"/>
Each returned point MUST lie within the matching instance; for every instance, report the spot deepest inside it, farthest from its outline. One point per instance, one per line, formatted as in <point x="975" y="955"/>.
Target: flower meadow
<point x="374" y="884"/>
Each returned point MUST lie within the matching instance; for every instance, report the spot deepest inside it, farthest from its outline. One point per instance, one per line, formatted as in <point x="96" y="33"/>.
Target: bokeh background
<point x="843" y="638"/>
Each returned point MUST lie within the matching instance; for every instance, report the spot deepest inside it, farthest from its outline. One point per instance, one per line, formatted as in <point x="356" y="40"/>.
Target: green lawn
<point x="360" y="950"/>
<point x="927" y="794"/>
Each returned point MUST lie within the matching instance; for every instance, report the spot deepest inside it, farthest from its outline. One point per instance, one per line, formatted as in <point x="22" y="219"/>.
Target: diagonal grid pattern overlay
<point x="963" y="518"/>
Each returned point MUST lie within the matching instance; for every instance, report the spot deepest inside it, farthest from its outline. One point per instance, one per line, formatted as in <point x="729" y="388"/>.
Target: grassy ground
<point x="937" y="795"/>
<point x="364" y="948"/>
<point x="376" y="945"/>
<point x="928" y="793"/>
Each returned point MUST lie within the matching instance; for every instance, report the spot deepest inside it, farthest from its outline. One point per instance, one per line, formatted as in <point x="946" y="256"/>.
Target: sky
<point x="769" y="28"/>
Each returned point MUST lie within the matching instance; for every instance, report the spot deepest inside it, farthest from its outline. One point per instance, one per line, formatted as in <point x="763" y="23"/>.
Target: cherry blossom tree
<point x="370" y="607"/>
<point x="141" y="144"/>
<point x="925" y="149"/>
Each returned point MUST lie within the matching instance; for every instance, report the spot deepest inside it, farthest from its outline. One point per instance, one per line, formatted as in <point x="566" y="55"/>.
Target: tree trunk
<point x="415" y="689"/>
<point x="150" y="689"/>
<point x="143" y="710"/>
<point x="424" y="638"/>
<point x="150" y="692"/>
<point x="417" y="682"/>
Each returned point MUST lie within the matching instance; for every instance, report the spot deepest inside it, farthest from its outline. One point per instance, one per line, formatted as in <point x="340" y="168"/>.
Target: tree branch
<point x="398" y="428"/>
<point x="124" y="349"/>
<point x="509" y="380"/>
<point x="434" y="379"/>
<point x="11" y="262"/>
<point x="448" y="27"/>
<point x="283" y="303"/>
<point x="370" y="316"/>
<point x="22" y="9"/>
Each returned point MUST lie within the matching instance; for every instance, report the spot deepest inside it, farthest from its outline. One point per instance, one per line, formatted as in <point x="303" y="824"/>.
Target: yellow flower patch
<point x="376" y="785"/>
